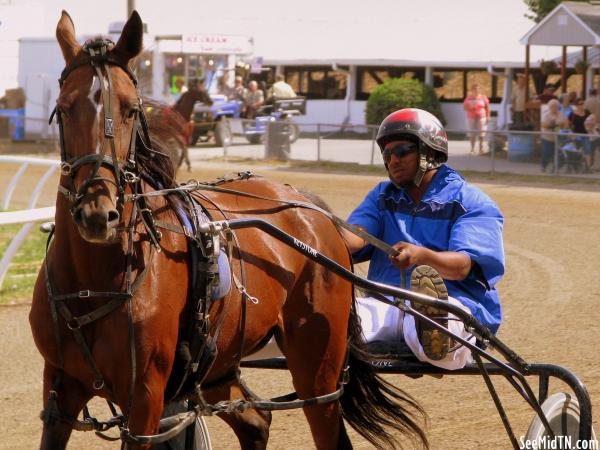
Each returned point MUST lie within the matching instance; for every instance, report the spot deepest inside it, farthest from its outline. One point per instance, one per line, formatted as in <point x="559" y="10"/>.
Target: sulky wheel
<point x="201" y="436"/>
<point x="562" y="411"/>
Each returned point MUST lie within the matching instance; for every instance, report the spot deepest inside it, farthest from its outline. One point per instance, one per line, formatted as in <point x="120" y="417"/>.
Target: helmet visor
<point x="399" y="150"/>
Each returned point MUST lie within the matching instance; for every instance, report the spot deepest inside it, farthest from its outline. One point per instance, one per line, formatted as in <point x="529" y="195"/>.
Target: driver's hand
<point x="409" y="255"/>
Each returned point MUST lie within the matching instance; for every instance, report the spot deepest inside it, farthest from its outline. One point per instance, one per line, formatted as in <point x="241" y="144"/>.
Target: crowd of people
<point x="567" y="115"/>
<point x="255" y="95"/>
<point x="577" y="119"/>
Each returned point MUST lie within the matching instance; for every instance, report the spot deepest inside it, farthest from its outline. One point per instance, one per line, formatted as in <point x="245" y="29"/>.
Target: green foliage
<point x="541" y="8"/>
<point x="398" y="93"/>
<point x="22" y="272"/>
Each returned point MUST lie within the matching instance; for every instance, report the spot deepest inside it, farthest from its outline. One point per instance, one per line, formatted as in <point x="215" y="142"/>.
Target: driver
<point x="448" y="234"/>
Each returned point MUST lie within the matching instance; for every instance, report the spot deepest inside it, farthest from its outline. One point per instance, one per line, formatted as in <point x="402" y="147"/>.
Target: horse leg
<point x="186" y="157"/>
<point x="147" y="406"/>
<point x="252" y="426"/>
<point x="311" y="379"/>
<point x="321" y="326"/>
<point x="68" y="399"/>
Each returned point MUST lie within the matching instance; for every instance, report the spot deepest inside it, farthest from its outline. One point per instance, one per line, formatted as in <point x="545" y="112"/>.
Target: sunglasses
<point x="399" y="150"/>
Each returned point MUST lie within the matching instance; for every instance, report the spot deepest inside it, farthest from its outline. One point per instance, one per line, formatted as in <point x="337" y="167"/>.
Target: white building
<point x="335" y="53"/>
<point x="12" y="17"/>
<point x="167" y="64"/>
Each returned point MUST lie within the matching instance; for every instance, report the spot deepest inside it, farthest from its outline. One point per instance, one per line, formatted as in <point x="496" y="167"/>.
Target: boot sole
<point x="426" y="280"/>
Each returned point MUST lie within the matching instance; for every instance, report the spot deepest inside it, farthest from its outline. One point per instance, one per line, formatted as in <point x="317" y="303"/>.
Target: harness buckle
<point x="84" y="294"/>
<point x="109" y="130"/>
<point x="66" y="168"/>
<point x="130" y="177"/>
<point x="73" y="324"/>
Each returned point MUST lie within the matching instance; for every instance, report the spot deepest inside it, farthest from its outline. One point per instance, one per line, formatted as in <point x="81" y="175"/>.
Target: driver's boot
<point x="426" y="280"/>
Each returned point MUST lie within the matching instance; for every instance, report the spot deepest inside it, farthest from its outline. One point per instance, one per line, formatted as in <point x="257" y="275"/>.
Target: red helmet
<point x="423" y="125"/>
<point x="416" y="122"/>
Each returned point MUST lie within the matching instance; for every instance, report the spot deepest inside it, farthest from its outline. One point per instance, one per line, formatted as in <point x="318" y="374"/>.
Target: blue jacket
<point x="452" y="216"/>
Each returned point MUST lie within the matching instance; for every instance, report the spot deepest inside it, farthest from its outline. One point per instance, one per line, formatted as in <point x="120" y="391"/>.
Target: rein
<point x="127" y="175"/>
<point x="96" y="53"/>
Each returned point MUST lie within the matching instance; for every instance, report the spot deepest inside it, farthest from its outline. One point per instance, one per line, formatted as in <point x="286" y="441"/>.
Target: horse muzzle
<point x="97" y="223"/>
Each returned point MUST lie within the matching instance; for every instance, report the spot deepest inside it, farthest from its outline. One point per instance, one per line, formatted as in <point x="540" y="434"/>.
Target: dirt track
<point x="550" y="295"/>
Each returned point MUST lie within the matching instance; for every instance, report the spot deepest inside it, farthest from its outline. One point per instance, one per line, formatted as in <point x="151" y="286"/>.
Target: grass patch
<point x="22" y="272"/>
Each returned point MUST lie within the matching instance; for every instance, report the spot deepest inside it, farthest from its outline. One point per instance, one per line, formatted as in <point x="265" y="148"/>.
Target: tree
<point x="398" y="93"/>
<point x="541" y="8"/>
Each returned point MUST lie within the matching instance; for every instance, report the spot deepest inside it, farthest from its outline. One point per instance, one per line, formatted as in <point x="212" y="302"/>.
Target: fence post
<point x="492" y="147"/>
<point x="226" y="125"/>
<point x="373" y="145"/>
<point x="318" y="142"/>
<point x="13" y="184"/>
<point x="555" y="159"/>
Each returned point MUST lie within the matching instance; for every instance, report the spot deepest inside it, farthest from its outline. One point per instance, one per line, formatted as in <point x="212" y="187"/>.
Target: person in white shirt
<point x="281" y="89"/>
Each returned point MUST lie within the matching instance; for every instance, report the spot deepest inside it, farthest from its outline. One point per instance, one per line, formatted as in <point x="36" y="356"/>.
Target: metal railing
<point x="29" y="216"/>
<point x="510" y="151"/>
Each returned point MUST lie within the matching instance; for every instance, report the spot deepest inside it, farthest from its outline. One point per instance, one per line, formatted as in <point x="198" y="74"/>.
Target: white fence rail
<point x="29" y="216"/>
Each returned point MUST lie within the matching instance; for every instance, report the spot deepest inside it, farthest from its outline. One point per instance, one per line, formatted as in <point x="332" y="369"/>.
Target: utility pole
<point x="130" y="7"/>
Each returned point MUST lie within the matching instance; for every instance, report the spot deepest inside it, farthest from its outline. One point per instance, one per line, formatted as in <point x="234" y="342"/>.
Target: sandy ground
<point x="549" y="293"/>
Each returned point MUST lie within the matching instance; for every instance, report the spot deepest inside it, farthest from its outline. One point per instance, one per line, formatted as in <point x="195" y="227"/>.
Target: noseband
<point x="97" y="53"/>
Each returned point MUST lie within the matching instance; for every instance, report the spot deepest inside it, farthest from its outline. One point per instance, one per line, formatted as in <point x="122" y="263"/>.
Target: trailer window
<point x="316" y="82"/>
<point x="449" y="85"/>
<point x="368" y="78"/>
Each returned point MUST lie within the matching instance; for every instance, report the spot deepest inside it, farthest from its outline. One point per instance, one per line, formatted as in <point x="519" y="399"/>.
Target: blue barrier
<point x="16" y="121"/>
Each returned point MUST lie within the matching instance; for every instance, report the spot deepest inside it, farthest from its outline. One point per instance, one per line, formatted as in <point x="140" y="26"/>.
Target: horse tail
<point x="371" y="405"/>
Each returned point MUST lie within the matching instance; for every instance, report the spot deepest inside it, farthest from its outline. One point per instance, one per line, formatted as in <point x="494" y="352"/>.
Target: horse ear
<point x="65" y="35"/>
<point x="131" y="40"/>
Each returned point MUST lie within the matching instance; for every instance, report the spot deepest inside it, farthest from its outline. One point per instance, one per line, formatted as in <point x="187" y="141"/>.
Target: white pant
<point x="383" y="322"/>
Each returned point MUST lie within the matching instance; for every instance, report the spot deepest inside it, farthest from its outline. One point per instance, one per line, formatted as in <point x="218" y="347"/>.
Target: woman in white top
<point x="552" y="121"/>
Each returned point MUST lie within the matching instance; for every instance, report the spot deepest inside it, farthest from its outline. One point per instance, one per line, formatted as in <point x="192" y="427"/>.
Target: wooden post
<point x="563" y="70"/>
<point x="584" y="77"/>
<point x="130" y="7"/>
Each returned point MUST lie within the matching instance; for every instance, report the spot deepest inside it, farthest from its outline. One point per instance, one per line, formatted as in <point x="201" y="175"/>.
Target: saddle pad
<point x="224" y="285"/>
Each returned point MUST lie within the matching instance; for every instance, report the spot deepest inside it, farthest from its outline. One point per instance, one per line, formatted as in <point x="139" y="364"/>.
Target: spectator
<point x="547" y="94"/>
<point x="572" y="97"/>
<point x="577" y="120"/>
<point x="518" y="101"/>
<point x="577" y="117"/>
<point x="565" y="105"/>
<point x="552" y="121"/>
<point x="477" y="108"/>
<point x="593" y="129"/>
<point x="281" y="89"/>
<point x="238" y="91"/>
<point x="254" y="99"/>
<point x="222" y="88"/>
<point x="592" y="104"/>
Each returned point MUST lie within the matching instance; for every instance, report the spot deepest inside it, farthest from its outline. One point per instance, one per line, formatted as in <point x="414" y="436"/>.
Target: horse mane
<point x="165" y="126"/>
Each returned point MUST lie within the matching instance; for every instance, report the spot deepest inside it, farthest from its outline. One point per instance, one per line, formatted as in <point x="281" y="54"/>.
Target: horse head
<point x="98" y="111"/>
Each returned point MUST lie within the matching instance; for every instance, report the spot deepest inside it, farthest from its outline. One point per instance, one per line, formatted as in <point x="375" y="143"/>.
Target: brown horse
<point x="107" y="310"/>
<point x="169" y="131"/>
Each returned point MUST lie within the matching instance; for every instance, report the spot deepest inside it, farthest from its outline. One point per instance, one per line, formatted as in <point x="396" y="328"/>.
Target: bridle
<point x="127" y="172"/>
<point x="97" y="53"/>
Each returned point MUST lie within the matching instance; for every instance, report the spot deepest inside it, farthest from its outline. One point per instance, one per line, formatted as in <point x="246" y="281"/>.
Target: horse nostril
<point x="113" y="216"/>
<point x="78" y="215"/>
